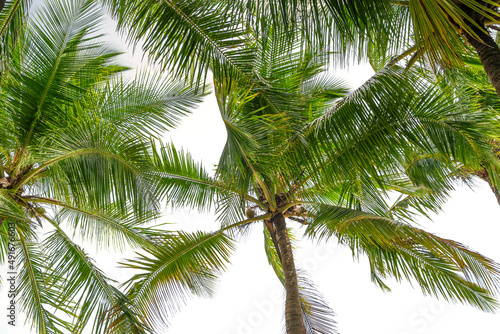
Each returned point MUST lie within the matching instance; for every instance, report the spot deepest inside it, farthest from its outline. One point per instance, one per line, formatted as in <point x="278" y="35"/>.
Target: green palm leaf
<point x="109" y="227"/>
<point x="96" y="165"/>
<point x="373" y="127"/>
<point x="12" y="15"/>
<point x="84" y="282"/>
<point x="182" y="264"/>
<point x="36" y="295"/>
<point x="9" y="209"/>
<point x="188" y="36"/>
<point x="441" y="267"/>
<point x="148" y="104"/>
<point x="58" y="58"/>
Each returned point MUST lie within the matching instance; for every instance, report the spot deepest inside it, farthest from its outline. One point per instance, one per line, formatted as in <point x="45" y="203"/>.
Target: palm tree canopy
<point x="75" y="165"/>
<point x="300" y="146"/>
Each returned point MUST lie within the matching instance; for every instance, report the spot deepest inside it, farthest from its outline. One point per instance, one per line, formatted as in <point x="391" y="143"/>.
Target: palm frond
<point x="148" y="105"/>
<point x="188" y="36"/>
<point x="96" y="165"/>
<point x="181" y="265"/>
<point x="334" y="25"/>
<point x="12" y="20"/>
<point x="57" y="59"/>
<point x="318" y="316"/>
<point x="438" y="26"/>
<point x="441" y="267"/>
<point x="9" y="209"/>
<point x="84" y="283"/>
<point x="108" y="227"/>
<point x="36" y="295"/>
<point x="385" y="120"/>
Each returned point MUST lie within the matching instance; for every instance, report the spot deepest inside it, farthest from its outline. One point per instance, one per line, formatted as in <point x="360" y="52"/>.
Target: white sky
<point x="250" y="297"/>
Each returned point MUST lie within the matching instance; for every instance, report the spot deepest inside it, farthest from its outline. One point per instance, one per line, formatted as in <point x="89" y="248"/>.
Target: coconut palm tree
<point x="74" y="166"/>
<point x="187" y="36"/>
<point x="292" y="160"/>
<point x="301" y="151"/>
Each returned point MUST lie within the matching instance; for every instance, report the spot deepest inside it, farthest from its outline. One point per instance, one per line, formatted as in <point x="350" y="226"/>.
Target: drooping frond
<point x="181" y="265"/>
<point x="84" y="283"/>
<point x="422" y="185"/>
<point x="438" y="26"/>
<point x="335" y="25"/>
<point x="36" y="295"/>
<point x="441" y="267"/>
<point x="122" y="318"/>
<point x="108" y="227"/>
<point x="272" y="255"/>
<point x="318" y="316"/>
<point x="187" y="36"/>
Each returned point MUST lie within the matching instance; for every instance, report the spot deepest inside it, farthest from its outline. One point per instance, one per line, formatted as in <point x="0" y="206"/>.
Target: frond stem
<point x="41" y="168"/>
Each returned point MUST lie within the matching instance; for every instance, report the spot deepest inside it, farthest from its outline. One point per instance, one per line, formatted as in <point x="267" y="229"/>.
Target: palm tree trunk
<point x="489" y="54"/>
<point x="293" y="309"/>
<point x="484" y="175"/>
<point x="494" y="189"/>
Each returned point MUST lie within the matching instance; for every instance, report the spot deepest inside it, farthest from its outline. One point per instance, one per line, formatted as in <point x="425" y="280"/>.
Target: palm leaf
<point x="9" y="209"/>
<point x="85" y="283"/>
<point x="183" y="264"/>
<point x="441" y="267"/>
<point x="12" y="19"/>
<point x="148" y="104"/>
<point x="109" y="227"/>
<point x="371" y="128"/>
<point x="56" y="60"/>
<point x="36" y="295"/>
<point x="96" y="165"/>
<point x="188" y="36"/>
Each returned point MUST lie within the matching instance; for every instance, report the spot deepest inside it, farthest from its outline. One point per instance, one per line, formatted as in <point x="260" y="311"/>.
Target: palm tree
<point x="268" y="168"/>
<point x="191" y="36"/>
<point x="299" y="150"/>
<point x="74" y="165"/>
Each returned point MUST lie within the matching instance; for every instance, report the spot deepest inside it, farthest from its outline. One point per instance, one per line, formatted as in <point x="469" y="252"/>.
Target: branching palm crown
<point x="74" y="164"/>
<point x="446" y="36"/>
<point x="300" y="150"/>
<point x="190" y="35"/>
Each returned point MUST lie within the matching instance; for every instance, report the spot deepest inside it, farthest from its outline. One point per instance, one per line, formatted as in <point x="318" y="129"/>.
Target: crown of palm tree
<point x="74" y="163"/>
<point x="300" y="150"/>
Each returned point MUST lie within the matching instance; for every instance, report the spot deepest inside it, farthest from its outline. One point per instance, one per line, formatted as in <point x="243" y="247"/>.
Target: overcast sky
<point x="250" y="298"/>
